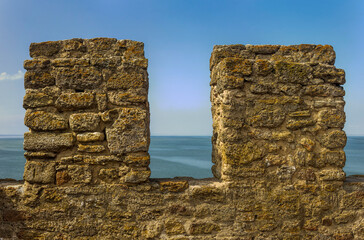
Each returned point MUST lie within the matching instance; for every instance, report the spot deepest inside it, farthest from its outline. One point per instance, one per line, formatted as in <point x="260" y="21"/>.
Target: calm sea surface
<point x="170" y="157"/>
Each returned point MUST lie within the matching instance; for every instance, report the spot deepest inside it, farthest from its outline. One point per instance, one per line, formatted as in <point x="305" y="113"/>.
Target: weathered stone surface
<point x="39" y="172"/>
<point x="79" y="78"/>
<point x="38" y="79"/>
<point x="137" y="176"/>
<point x="289" y="72"/>
<point x="91" y="148"/>
<point x="137" y="159"/>
<point x="47" y="141"/>
<point x="39" y="98"/>
<point x="324" y="90"/>
<point x="70" y="101"/>
<point x="332" y="175"/>
<point x="334" y="139"/>
<point x="332" y="118"/>
<point x="277" y="179"/>
<point x="45" y="121"/>
<point x="267" y="118"/>
<point x="36" y="64"/>
<point x="122" y="98"/>
<point x="90" y="137"/>
<point x="44" y="49"/>
<point x="127" y="78"/>
<point x="122" y="137"/>
<point x="82" y="122"/>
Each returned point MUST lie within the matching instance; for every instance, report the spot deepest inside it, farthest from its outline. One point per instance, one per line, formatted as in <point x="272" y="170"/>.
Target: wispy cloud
<point x="5" y="76"/>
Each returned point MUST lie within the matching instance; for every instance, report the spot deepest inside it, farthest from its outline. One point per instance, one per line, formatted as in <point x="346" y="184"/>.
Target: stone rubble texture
<point x="278" y="114"/>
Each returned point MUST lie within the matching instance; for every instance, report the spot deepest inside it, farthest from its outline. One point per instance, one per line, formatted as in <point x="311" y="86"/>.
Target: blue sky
<point x="178" y="37"/>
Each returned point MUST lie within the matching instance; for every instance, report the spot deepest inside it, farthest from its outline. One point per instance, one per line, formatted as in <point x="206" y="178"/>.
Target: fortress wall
<point x="277" y="148"/>
<point x="87" y="111"/>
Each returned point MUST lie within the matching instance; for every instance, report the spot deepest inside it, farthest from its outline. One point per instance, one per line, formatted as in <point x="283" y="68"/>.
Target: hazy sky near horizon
<point x="179" y="37"/>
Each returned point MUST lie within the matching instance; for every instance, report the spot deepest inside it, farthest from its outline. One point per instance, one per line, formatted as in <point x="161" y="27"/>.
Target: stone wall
<point x="277" y="148"/>
<point x="87" y="111"/>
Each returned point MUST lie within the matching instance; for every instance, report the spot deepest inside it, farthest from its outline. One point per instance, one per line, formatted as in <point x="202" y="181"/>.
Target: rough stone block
<point x="332" y="175"/>
<point x="39" y="172"/>
<point x="332" y="118"/>
<point x="79" y="78"/>
<point x="198" y="228"/>
<point x="71" y="101"/>
<point x="289" y="72"/>
<point x="137" y="159"/>
<point x="36" y="64"/>
<point x="173" y="227"/>
<point x="129" y="133"/>
<point x="137" y="176"/>
<point x="38" y="79"/>
<point x="324" y="90"/>
<point x="333" y="139"/>
<point x="127" y="78"/>
<point x="122" y="98"/>
<point x="44" y="49"/>
<point x="263" y="67"/>
<point x="267" y="118"/>
<point x="90" y="137"/>
<point x="39" y="98"/>
<point x="45" y="121"/>
<point x="80" y="173"/>
<point x="91" y="148"/>
<point x="82" y="122"/>
<point x="47" y="141"/>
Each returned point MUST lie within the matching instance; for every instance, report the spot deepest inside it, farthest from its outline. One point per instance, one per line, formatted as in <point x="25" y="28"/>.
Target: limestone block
<point x="263" y="67"/>
<point x="332" y="175"/>
<point x="323" y="54"/>
<point x="47" y="141"/>
<point x="240" y="154"/>
<point x="289" y="72"/>
<point x="129" y="133"/>
<point x="36" y="64"/>
<point x="101" y="100"/>
<point x="38" y="79"/>
<point x="127" y="78"/>
<point x="137" y="159"/>
<point x="70" y="62"/>
<point x="202" y="227"/>
<point x="44" y="49"/>
<point x="324" y="90"/>
<point x="173" y="227"/>
<point x="90" y="137"/>
<point x="332" y="118"/>
<point x="71" y="101"/>
<point x="136" y="176"/>
<point x="39" y="155"/>
<point x="82" y="122"/>
<point x="91" y="148"/>
<point x="173" y="186"/>
<point x="329" y="73"/>
<point x="332" y="158"/>
<point x="80" y="173"/>
<point x="333" y="139"/>
<point x="39" y="97"/>
<point x="307" y="143"/>
<point x="39" y="172"/>
<point x="267" y="118"/>
<point x="46" y="121"/>
<point x="101" y="44"/>
<point x="295" y="124"/>
<point x="77" y="77"/>
<point x="122" y="98"/>
<point x="223" y="51"/>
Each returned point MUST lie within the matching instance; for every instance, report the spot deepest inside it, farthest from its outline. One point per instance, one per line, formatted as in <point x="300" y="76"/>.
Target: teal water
<point x="170" y="157"/>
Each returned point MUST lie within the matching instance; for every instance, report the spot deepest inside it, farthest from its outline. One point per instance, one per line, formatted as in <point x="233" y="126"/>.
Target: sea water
<point x="170" y="157"/>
